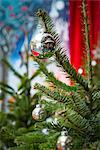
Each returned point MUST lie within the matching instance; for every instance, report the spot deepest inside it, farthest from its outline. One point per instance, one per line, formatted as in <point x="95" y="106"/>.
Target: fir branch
<point x="74" y="101"/>
<point x="73" y="126"/>
<point x="80" y="105"/>
<point x="87" y="43"/>
<point x="6" y="86"/>
<point x="8" y="136"/>
<point x="60" y="56"/>
<point x="53" y="94"/>
<point x="30" y="138"/>
<point x="26" y="81"/>
<point x="35" y="74"/>
<point x="79" y="121"/>
<point x="12" y="69"/>
<point x="96" y="96"/>
<point x="52" y="79"/>
<point x="7" y="89"/>
<point x="64" y="62"/>
<point x="96" y="101"/>
<point x="12" y="93"/>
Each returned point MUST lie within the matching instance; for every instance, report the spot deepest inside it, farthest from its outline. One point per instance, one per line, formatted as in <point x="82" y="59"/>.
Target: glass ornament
<point x="64" y="141"/>
<point x="43" y="48"/>
<point x="80" y="70"/>
<point x="49" y="120"/>
<point x="38" y="113"/>
<point x="45" y="131"/>
<point x="93" y="63"/>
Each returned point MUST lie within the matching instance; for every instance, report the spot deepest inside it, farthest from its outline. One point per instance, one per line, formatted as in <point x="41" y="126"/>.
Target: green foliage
<point x="10" y="67"/>
<point x="3" y="119"/>
<point x="52" y="79"/>
<point x="76" y="107"/>
<point x="56" y="95"/>
<point x="81" y="112"/>
<point x="61" y="58"/>
<point x="17" y="128"/>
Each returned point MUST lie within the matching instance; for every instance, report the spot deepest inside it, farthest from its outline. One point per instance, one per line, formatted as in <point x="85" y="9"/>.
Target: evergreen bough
<point x="81" y="103"/>
<point x="76" y="107"/>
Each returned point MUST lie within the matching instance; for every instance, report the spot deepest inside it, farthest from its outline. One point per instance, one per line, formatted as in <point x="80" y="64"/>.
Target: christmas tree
<point x="22" y="127"/>
<point x="80" y="114"/>
<point x="70" y="118"/>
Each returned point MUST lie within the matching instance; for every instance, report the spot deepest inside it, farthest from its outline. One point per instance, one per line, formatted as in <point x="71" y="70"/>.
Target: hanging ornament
<point x="93" y="63"/>
<point x="45" y="48"/>
<point x="45" y="131"/>
<point x="38" y="113"/>
<point x="48" y="43"/>
<point x="64" y="141"/>
<point x="13" y="123"/>
<point x="49" y="120"/>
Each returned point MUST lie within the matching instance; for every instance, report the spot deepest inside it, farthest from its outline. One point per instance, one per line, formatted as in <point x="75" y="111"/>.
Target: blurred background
<point x="18" y="26"/>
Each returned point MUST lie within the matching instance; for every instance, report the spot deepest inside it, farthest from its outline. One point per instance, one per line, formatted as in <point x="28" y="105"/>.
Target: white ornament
<point x="60" y="5"/>
<point x="14" y="123"/>
<point x="49" y="120"/>
<point x="45" y="131"/>
<point x="93" y="63"/>
<point x="80" y="70"/>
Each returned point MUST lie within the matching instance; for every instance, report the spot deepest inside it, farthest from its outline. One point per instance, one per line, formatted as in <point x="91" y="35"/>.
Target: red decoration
<point x="35" y="53"/>
<point x="76" y="35"/>
<point x="24" y="8"/>
<point x="59" y="147"/>
<point x="10" y="7"/>
<point x="13" y="15"/>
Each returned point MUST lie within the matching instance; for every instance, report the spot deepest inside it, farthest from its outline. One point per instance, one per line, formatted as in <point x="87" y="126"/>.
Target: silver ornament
<point x="38" y="113"/>
<point x="64" y="141"/>
<point x="43" y="46"/>
<point x="45" y="131"/>
<point x="49" y="120"/>
<point x="47" y="43"/>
